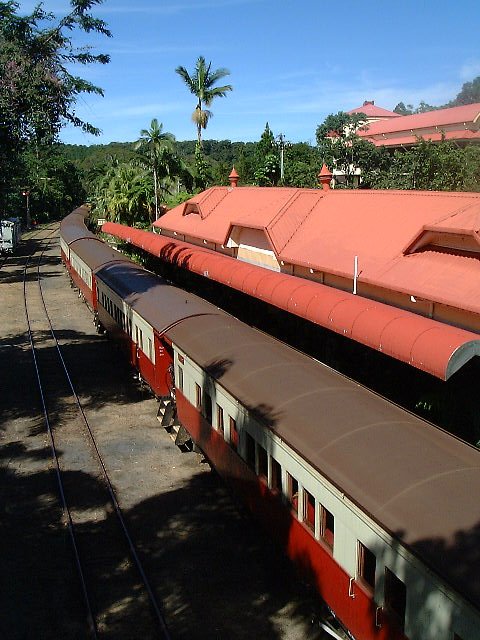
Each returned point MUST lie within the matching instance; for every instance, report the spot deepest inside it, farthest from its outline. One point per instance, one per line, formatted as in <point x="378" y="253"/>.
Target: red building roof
<point x="370" y="109"/>
<point x="457" y="123"/>
<point x="325" y="230"/>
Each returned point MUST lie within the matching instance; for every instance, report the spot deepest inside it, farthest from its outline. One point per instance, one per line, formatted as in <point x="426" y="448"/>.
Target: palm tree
<point x="129" y="195"/>
<point x="156" y="144"/>
<point x="201" y="84"/>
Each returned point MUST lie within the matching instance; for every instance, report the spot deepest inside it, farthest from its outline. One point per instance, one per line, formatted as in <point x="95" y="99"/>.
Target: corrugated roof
<point x="372" y="111"/>
<point x="398" y="140"/>
<point x="244" y="206"/>
<point x="377" y="226"/>
<point x="446" y="276"/>
<point x="468" y="114"/>
<point x="431" y="346"/>
<point x="325" y="230"/>
<point x="287" y="222"/>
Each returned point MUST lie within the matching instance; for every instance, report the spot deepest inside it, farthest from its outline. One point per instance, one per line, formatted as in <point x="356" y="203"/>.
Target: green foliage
<point x="301" y="166"/>
<point x="202" y="172"/>
<point x="38" y="91"/>
<point x="341" y="148"/>
<point x="471" y="168"/>
<point x="267" y="161"/>
<point x="125" y="194"/>
<point x="431" y="167"/>
<point x="469" y="94"/>
<point x="156" y="147"/>
<point x="403" y="110"/>
<point x="54" y="183"/>
<point x="177" y="198"/>
<point x="340" y="125"/>
<point x="202" y="84"/>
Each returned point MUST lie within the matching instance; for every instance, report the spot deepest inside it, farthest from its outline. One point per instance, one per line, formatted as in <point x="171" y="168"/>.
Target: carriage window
<point x="276" y="481"/>
<point x="198" y="396"/>
<point x="327" y="527"/>
<point x="233" y="434"/>
<point x="180" y="378"/>
<point x="309" y="509"/>
<point x="292" y="492"/>
<point x="220" y="426"/>
<point x="366" y="566"/>
<point x="395" y="597"/>
<point x="207" y="407"/>
<point x="262" y="463"/>
<point x="250" y="451"/>
<point x="150" y="350"/>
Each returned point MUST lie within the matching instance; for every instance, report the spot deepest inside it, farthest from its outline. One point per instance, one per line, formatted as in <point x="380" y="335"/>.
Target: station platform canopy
<point x="429" y="345"/>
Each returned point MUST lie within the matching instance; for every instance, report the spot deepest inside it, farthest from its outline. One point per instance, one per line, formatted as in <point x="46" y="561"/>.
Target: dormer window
<point x="448" y="242"/>
<point x="191" y="207"/>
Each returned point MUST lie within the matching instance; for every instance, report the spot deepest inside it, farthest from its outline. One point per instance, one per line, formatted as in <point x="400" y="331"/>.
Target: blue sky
<point x="291" y="62"/>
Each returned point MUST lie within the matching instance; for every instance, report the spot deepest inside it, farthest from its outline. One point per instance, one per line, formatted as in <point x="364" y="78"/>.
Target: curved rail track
<point x="108" y="564"/>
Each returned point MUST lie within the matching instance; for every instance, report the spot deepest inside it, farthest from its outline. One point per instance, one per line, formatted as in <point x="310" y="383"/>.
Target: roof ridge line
<point x="294" y="196"/>
<point x="208" y="194"/>
<point x="452" y="214"/>
<point x="321" y="195"/>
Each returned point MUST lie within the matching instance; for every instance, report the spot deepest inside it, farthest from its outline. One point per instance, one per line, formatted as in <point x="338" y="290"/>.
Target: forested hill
<point x="218" y="151"/>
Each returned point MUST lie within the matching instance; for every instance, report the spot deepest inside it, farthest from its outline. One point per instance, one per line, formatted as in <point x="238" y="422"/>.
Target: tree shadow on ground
<point x="19" y="397"/>
<point x="215" y="573"/>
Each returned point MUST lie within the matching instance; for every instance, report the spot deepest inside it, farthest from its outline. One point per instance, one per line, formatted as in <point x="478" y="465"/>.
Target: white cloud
<point x="173" y="7"/>
<point x="470" y="70"/>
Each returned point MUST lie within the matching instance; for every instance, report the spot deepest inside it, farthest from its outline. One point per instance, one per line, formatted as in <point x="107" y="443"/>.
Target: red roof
<point x="426" y="344"/>
<point x="460" y="135"/>
<point x="325" y="230"/>
<point x="372" y="111"/>
<point x="463" y="121"/>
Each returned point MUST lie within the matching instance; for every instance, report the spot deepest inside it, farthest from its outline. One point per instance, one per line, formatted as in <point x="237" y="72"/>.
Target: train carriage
<point x="377" y="507"/>
<point x="364" y="487"/>
<point x="138" y="308"/>
<point x="73" y="228"/>
<point x="86" y="256"/>
<point x="10" y="233"/>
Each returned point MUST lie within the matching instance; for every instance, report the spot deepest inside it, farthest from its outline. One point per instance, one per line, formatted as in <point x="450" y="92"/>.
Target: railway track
<point x="118" y="598"/>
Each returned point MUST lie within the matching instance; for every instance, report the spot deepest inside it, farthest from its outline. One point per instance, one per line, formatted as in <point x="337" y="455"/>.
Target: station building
<point x="397" y="271"/>
<point x="393" y="131"/>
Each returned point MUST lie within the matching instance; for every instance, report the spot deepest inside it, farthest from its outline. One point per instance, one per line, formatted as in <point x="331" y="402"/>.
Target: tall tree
<point x="38" y="92"/>
<point x="428" y="166"/>
<point x="157" y="145"/>
<point x="202" y="84"/>
<point x="124" y="193"/>
<point x="469" y="94"/>
<point x="338" y="144"/>
<point x="267" y="172"/>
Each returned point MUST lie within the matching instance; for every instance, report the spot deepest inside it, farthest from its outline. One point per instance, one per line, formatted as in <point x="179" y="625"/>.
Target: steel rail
<point x="133" y="551"/>
<point x="58" y="473"/>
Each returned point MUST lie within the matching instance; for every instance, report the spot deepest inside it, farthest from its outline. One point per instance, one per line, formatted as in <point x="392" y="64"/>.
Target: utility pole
<point x="26" y="194"/>
<point x="281" y="144"/>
